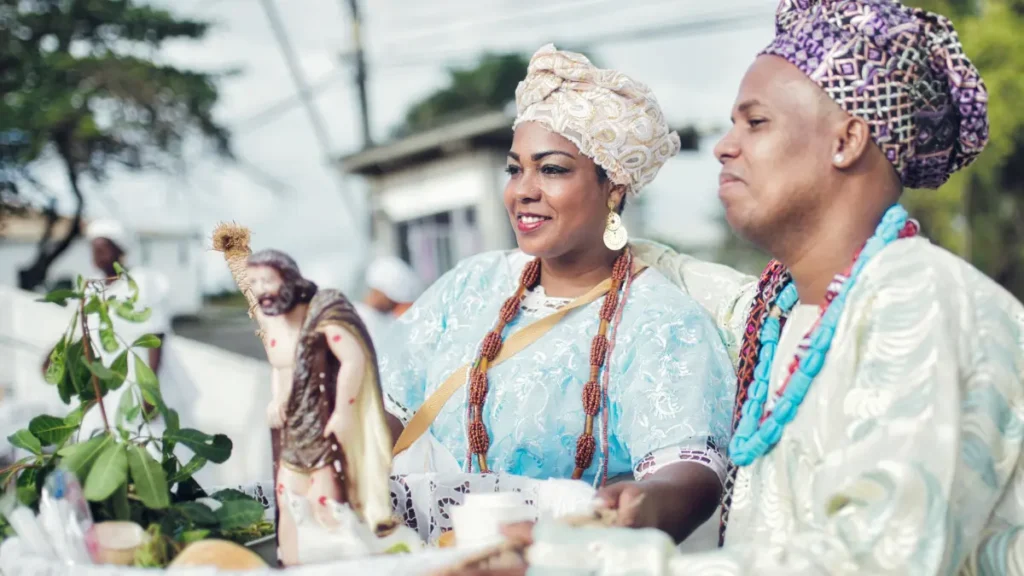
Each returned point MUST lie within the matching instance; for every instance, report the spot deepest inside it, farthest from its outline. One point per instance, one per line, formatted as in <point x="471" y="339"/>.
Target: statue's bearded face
<point x="275" y="295"/>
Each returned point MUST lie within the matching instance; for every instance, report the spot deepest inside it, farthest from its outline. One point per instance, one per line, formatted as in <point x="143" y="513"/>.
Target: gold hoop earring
<point x="615" y="234"/>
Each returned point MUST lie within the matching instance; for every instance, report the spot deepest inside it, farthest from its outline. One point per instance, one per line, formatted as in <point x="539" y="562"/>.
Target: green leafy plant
<point x="120" y="476"/>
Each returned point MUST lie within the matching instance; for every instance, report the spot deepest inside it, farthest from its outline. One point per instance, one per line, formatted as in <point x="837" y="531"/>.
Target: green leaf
<point x="127" y="311"/>
<point x="128" y="409"/>
<point x="109" y="472"/>
<point x="51" y="430"/>
<point x="74" y="418"/>
<point x="73" y="374"/>
<point x="119" y="503"/>
<point x="189" y="490"/>
<point x="98" y="369"/>
<point x="149" y="385"/>
<point x="107" y="338"/>
<point x="170" y="466"/>
<point x="147" y="341"/>
<point x="28" y="486"/>
<point x="229" y="494"/>
<point x="79" y="374"/>
<point x="25" y="440"/>
<point x="188" y="470"/>
<point x="132" y="286"/>
<point x="190" y="536"/>
<point x="149" y="478"/>
<point x="172" y="420"/>
<point x="119" y="369"/>
<point x="239" y="514"/>
<point x="216" y="448"/>
<point x="72" y="326"/>
<point x="93" y="305"/>
<point x="79" y="458"/>
<point x="59" y="297"/>
<point x="197" y="513"/>
<point x="56" y="368"/>
<point x="399" y="548"/>
<point x="110" y="379"/>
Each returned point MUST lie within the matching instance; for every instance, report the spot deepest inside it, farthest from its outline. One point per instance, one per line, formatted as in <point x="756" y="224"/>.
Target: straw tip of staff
<point x="231" y="239"/>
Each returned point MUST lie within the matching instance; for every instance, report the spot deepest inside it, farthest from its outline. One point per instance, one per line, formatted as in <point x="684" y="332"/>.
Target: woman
<point x="619" y="372"/>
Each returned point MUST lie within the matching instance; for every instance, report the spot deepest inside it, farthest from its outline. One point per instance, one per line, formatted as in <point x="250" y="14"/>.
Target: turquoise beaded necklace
<point x="757" y="434"/>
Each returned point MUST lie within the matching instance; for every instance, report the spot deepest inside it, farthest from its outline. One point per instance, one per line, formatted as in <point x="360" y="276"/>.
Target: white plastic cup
<point x="479" y="520"/>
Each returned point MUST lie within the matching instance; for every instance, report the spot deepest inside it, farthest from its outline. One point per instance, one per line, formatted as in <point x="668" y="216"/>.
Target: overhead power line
<point x="691" y="27"/>
<point x="306" y="98"/>
<point x="292" y="61"/>
<point x="546" y="12"/>
<point x="289" y="103"/>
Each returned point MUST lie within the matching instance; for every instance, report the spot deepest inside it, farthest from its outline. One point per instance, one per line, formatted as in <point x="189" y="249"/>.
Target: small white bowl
<point x="479" y="520"/>
<point x="116" y="542"/>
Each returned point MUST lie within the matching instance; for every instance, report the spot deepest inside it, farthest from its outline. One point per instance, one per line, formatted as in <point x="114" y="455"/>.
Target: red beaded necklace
<point x="479" y="441"/>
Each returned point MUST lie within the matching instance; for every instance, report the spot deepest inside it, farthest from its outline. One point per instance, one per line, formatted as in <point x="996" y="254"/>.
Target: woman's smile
<point x="527" y="223"/>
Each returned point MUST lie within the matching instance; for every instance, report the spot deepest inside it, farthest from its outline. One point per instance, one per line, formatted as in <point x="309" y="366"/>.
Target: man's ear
<point x="853" y="140"/>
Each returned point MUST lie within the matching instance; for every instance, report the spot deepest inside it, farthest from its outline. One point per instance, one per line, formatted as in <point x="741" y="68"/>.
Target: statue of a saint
<point x="332" y="445"/>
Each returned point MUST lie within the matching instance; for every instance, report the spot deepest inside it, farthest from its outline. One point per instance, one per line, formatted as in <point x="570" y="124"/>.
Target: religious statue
<point x="331" y="443"/>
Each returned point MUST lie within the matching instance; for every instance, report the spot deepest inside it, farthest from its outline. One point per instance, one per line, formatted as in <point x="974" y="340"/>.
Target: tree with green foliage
<point x="979" y="214"/>
<point x="490" y="85"/>
<point x="81" y="85"/>
<point x="120" y="477"/>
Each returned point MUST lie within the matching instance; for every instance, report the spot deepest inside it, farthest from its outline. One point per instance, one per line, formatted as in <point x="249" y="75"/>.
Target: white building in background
<point x="176" y="254"/>
<point x="436" y="196"/>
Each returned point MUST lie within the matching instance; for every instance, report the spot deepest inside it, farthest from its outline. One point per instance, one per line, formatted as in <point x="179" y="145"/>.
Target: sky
<point x="284" y="186"/>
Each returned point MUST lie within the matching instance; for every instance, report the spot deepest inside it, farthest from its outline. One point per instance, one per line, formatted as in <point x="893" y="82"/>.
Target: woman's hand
<point x="520" y="533"/>
<point x="676" y="499"/>
<point x="636" y="507"/>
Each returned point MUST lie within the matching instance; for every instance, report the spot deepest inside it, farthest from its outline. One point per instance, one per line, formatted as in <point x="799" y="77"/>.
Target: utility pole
<point x="306" y="95"/>
<point x="360" y="61"/>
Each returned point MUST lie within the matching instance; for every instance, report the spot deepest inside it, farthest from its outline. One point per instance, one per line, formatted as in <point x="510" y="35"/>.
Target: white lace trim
<point x="659" y="459"/>
<point x="537" y="303"/>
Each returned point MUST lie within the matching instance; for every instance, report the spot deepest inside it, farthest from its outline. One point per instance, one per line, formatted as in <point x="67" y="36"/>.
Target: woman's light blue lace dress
<point x="671" y="389"/>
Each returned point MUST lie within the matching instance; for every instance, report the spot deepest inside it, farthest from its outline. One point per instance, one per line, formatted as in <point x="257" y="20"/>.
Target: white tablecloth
<point x="14" y="562"/>
<point x="423" y="501"/>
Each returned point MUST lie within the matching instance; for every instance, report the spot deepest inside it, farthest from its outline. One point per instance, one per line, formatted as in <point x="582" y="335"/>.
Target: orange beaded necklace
<point x="479" y="441"/>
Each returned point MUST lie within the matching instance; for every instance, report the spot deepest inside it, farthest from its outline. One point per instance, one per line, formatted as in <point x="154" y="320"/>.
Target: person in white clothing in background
<point x="113" y="242"/>
<point x="393" y="286"/>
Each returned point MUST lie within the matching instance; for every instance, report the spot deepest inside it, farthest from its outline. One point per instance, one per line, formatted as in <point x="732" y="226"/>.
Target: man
<point x="881" y="428"/>
<point x="332" y="443"/>
<point x="392" y="288"/>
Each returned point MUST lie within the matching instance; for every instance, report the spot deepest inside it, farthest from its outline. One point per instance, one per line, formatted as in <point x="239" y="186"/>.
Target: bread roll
<point x="219" y="554"/>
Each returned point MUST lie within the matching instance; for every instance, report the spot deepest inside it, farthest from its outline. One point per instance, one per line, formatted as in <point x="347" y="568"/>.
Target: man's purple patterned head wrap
<point x="901" y="69"/>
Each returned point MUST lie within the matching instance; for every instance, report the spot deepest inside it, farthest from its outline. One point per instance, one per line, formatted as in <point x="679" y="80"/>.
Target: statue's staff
<point x="232" y="240"/>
